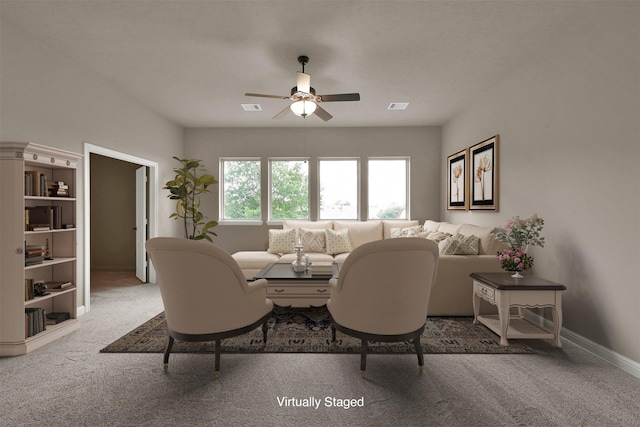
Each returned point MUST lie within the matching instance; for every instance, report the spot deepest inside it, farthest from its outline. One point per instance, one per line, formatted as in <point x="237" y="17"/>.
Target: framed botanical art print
<point x="483" y="158"/>
<point x="457" y="185"/>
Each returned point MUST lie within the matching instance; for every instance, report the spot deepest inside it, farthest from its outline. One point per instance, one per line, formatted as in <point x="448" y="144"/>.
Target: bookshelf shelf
<point x="38" y="300"/>
<point x="60" y="230"/>
<point x="38" y="187"/>
<point x="49" y="262"/>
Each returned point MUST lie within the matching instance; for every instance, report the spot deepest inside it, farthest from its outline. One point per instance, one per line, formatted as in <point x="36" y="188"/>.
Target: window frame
<point x="221" y="162"/>
<point x="407" y="196"/>
<point x="358" y="161"/>
<point x="270" y="160"/>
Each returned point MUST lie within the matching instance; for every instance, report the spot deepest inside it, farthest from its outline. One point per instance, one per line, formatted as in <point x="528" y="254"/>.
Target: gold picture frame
<point x="458" y="180"/>
<point x="483" y="160"/>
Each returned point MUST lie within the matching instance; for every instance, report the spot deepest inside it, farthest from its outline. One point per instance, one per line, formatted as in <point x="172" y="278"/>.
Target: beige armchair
<point x="205" y="295"/>
<point x="382" y="293"/>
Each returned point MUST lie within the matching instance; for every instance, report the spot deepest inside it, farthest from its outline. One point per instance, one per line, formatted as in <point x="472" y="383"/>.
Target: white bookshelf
<point x="53" y="165"/>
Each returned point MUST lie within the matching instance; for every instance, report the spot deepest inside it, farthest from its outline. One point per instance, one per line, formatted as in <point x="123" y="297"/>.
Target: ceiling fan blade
<point x="266" y="96"/>
<point x="322" y="113"/>
<point x="282" y="113"/>
<point x="303" y="82"/>
<point x="340" y="97"/>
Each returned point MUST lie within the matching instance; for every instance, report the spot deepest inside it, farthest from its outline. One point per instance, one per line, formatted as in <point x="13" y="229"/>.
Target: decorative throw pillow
<point x="312" y="240"/>
<point x="437" y="236"/>
<point x="338" y="241"/>
<point x="282" y="241"/>
<point x="459" y="245"/>
<point x="406" y="232"/>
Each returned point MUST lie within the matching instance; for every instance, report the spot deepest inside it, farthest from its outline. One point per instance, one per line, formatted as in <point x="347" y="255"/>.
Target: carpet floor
<point x="308" y="330"/>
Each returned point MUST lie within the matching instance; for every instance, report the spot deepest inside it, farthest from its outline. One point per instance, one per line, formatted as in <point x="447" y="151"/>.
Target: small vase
<point x="516" y="275"/>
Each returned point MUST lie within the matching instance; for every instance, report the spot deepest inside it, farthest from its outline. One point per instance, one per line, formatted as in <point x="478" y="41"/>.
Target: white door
<point x="141" y="223"/>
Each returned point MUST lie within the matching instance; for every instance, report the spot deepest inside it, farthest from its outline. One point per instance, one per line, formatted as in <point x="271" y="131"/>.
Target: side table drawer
<point x="486" y="292"/>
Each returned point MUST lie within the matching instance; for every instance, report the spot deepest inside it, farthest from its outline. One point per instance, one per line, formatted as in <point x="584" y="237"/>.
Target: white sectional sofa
<point x="452" y="291"/>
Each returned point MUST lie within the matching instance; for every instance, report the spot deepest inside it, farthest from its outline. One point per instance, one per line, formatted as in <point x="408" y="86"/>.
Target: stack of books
<point x="321" y="268"/>
<point x="58" y="286"/>
<point x="58" y="189"/>
<point x="33" y="254"/>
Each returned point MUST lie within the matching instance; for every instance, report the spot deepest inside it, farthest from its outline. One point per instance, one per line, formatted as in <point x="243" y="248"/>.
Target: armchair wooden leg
<point x="217" y="358"/>
<point x="363" y="357"/>
<point x="418" y="346"/>
<point x="166" y="353"/>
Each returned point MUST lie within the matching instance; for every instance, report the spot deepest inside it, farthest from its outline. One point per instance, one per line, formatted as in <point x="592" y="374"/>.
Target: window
<point x="289" y="183"/>
<point x="240" y="189"/>
<point x="388" y="188"/>
<point x="338" y="188"/>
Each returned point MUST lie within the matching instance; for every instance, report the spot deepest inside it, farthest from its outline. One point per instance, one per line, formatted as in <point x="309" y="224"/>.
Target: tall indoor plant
<point x="190" y="182"/>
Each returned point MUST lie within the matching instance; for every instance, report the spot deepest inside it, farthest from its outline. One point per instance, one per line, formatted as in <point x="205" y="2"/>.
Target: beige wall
<point x="47" y="99"/>
<point x="422" y="144"/>
<point x="569" y="151"/>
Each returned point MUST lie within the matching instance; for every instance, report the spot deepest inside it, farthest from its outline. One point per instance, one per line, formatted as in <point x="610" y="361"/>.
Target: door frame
<point x="153" y="207"/>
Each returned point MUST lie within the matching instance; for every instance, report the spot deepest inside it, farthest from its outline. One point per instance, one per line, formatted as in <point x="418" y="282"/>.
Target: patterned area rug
<point x="308" y="330"/>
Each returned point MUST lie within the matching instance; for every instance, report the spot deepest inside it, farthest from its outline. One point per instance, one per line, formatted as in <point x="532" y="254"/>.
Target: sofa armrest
<point x="452" y="292"/>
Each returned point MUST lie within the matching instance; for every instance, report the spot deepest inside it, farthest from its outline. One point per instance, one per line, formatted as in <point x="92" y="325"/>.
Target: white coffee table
<point x="288" y="288"/>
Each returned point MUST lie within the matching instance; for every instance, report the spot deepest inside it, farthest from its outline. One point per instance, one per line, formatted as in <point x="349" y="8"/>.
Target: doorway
<point x="120" y="214"/>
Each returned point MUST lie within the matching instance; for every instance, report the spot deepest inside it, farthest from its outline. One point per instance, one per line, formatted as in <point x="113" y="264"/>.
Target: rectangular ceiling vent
<point x="251" y="107"/>
<point x="398" y="106"/>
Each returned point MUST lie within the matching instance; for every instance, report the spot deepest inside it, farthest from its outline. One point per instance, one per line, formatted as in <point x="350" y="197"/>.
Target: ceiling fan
<point x="305" y="100"/>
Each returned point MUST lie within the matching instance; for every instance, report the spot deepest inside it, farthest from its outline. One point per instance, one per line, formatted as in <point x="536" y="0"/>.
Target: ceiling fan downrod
<point x="304" y="60"/>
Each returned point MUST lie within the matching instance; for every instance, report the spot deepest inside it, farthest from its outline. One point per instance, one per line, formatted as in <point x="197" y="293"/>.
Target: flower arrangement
<point x="515" y="260"/>
<point x="518" y="234"/>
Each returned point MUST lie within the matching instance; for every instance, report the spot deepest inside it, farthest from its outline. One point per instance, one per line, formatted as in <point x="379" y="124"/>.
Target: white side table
<point x="504" y="291"/>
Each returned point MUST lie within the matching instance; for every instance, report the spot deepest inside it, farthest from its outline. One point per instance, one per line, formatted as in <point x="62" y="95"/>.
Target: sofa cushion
<point x="312" y="240"/>
<point x="390" y="224"/>
<point x="338" y="241"/>
<point x="360" y="231"/>
<point x="446" y="227"/>
<point x="459" y="245"/>
<point x="488" y="244"/>
<point x="430" y="225"/>
<point x="254" y="259"/>
<point x="406" y="232"/>
<point x="282" y="241"/>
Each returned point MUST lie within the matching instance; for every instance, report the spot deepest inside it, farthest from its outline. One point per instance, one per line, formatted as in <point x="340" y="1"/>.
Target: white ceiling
<point x="192" y="61"/>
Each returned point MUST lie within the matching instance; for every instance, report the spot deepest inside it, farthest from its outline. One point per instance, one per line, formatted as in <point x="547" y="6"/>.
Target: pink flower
<point x="521" y="266"/>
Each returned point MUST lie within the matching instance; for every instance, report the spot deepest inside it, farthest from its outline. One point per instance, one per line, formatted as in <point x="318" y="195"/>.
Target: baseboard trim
<point x="616" y="359"/>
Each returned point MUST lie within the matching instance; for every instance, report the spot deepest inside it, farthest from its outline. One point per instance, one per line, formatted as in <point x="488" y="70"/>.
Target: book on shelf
<point x="33" y="254"/>
<point x="55" y="318"/>
<point x="57" y="189"/>
<point x="35" y="321"/>
<point x="35" y="184"/>
<point x="58" y="286"/>
<point x="28" y="289"/>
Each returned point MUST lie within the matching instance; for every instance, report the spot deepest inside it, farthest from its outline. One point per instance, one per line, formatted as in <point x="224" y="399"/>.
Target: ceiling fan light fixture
<point x="303" y="108"/>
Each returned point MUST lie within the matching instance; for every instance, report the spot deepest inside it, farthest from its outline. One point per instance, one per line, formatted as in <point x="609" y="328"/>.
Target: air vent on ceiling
<point x="251" y="107"/>
<point x="398" y="106"/>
